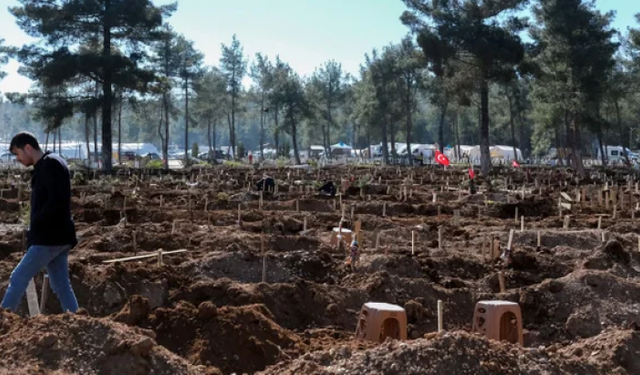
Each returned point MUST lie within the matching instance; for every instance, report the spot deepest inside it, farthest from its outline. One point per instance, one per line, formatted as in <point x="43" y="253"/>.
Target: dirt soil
<point x="262" y="289"/>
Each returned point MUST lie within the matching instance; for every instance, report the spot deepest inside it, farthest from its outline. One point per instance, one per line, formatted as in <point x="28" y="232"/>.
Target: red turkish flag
<point x="471" y="173"/>
<point x="441" y="158"/>
<point x="515" y="164"/>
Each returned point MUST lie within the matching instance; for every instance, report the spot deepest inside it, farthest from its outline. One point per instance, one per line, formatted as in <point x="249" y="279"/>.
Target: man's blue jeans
<point x="56" y="259"/>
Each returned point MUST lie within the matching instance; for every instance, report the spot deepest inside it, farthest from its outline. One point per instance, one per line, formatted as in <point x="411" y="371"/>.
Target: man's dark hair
<point x="22" y="139"/>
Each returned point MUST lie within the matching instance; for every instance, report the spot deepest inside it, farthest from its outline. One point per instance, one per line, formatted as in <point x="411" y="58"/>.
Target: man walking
<point x="52" y="232"/>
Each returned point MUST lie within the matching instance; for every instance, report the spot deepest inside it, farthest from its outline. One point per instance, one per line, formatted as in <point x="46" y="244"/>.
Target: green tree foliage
<point x="261" y="73"/>
<point x="481" y="34"/>
<point x="211" y="97"/>
<point x="289" y="91"/>
<point x="4" y="58"/>
<point x="327" y="87"/>
<point x="122" y="25"/>
<point x="574" y="53"/>
<point x="234" y="67"/>
<point x="190" y="69"/>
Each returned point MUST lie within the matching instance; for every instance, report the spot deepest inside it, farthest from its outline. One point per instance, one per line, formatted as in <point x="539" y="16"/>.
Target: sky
<point x="305" y="33"/>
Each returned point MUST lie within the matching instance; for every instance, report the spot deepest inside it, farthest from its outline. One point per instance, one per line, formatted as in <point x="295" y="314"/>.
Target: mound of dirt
<point x="76" y="344"/>
<point x="450" y="353"/>
<point x="235" y="339"/>
<point x="581" y="304"/>
<point x="615" y="349"/>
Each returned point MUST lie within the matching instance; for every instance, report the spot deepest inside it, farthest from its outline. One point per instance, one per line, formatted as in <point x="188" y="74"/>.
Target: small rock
<point x="111" y="295"/>
<point x="47" y="340"/>
<point x="207" y="310"/>
<point x="415" y="311"/>
<point x="332" y="309"/>
<point x="143" y="347"/>
<point x="345" y="351"/>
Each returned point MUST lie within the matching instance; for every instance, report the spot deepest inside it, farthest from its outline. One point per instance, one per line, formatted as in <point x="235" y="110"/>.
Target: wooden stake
<point x="261" y="194"/>
<point x="599" y="222"/>
<point x="503" y="287"/>
<point x="239" y="213"/>
<point x="510" y="242"/>
<point x="539" y="242"/>
<point x="135" y="244"/>
<point x="413" y="242"/>
<point x="160" y="258"/>
<point x="45" y="293"/>
<point x="173" y="227"/>
<point x="440" y="238"/>
<point x="440" y="316"/>
<point x="384" y="209"/>
<point x="304" y="224"/>
<point x="522" y="223"/>
<point x="32" y="299"/>
<point x="378" y="239"/>
<point x="297" y="206"/>
<point x="264" y="260"/>
<point x="516" y="218"/>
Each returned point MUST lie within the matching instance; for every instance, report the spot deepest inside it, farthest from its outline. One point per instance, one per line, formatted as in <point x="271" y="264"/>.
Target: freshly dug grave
<point x="76" y="344"/>
<point x="456" y="352"/>
<point x="236" y="339"/>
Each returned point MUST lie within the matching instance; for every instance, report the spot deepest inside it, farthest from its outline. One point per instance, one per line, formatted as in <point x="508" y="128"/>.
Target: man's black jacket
<point x="51" y="221"/>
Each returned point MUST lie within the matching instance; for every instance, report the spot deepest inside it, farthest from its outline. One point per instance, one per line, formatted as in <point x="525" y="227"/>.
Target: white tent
<point x="464" y="151"/>
<point x="341" y="149"/>
<point x="504" y="152"/>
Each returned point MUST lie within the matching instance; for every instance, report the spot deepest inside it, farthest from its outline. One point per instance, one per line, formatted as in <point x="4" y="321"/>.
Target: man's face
<point x="23" y="155"/>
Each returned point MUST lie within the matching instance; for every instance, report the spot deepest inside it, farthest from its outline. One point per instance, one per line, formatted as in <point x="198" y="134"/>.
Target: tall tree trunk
<point x="166" y="130"/>
<point x="55" y="136"/>
<point x="623" y="138"/>
<point x="186" y="122"/>
<point x="577" y="153"/>
<point x="86" y="135"/>
<point x="106" y="89"/>
<point x="215" y="125"/>
<point x="120" y="130"/>
<point x="232" y="133"/>
<point x="276" y="131"/>
<point x="262" y="127"/>
<point x="443" y="113"/>
<point x="513" y="129"/>
<point x="603" y="154"/>
<point x="294" y="137"/>
<point x="570" y="140"/>
<point x="409" y="119"/>
<point x="457" y="129"/>
<point x="211" y="153"/>
<point x="46" y="142"/>
<point x="485" y="154"/>
<point x="60" y="141"/>
<point x="385" y="142"/>
<point x="165" y="157"/>
<point x="524" y="145"/>
<point x="95" y="138"/>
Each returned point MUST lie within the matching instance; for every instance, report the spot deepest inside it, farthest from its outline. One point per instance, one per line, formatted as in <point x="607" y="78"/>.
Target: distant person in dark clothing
<point x="266" y="184"/>
<point x="328" y="189"/>
<point x="52" y="232"/>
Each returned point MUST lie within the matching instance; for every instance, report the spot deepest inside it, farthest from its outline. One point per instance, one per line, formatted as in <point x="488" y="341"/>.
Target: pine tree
<point x="480" y="34"/>
<point x="234" y="66"/>
<point x="122" y="28"/>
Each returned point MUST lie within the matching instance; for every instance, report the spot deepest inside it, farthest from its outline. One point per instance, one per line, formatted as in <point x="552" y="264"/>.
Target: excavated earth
<point x="261" y="289"/>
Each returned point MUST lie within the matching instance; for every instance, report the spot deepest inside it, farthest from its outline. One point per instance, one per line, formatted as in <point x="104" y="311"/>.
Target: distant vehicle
<point x="152" y="156"/>
<point x="616" y="153"/>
